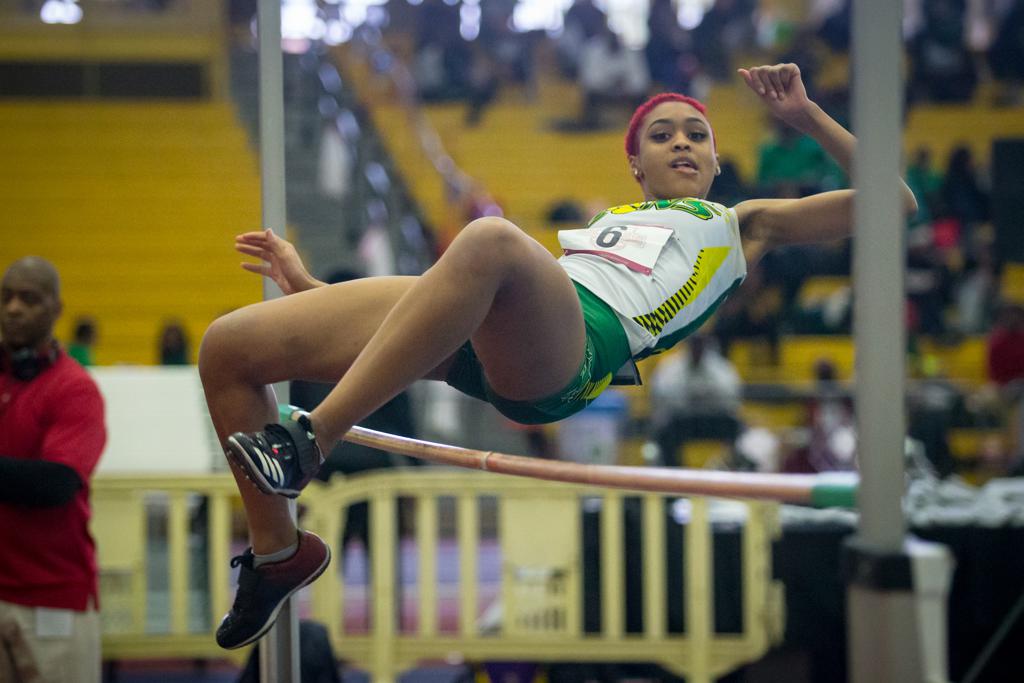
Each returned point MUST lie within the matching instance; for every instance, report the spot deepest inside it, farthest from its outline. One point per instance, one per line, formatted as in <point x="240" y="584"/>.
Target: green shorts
<point x="607" y="349"/>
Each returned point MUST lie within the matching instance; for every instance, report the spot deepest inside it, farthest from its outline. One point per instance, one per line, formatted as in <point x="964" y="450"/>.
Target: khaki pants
<point x="39" y="645"/>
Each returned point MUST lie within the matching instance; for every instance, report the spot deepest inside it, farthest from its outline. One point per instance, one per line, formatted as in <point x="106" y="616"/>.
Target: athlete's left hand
<point x="781" y="89"/>
<point x="279" y="260"/>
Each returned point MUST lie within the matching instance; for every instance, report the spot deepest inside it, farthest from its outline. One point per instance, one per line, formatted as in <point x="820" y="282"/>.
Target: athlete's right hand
<point x="279" y="260"/>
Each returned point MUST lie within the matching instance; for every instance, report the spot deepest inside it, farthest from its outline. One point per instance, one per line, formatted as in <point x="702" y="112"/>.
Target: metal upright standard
<point x="896" y="586"/>
<point x="279" y="649"/>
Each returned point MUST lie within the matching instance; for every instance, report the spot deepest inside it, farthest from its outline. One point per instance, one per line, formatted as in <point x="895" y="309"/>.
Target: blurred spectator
<point x="726" y="29"/>
<point x="582" y="22"/>
<point x="665" y="46"/>
<point x="758" y="450"/>
<point x="729" y="188"/>
<point x="825" y="313"/>
<point x="483" y="84"/>
<point x="934" y="404"/>
<point x="810" y="53"/>
<point x="1006" y="368"/>
<point x="609" y="74"/>
<point x="1006" y="346"/>
<point x="1006" y="55"/>
<point x="943" y="70"/>
<point x="793" y="165"/>
<point x="925" y="182"/>
<point x="336" y="162"/>
<point x="962" y="189"/>
<point x="756" y="314"/>
<point x="83" y="340"/>
<point x="510" y="51"/>
<point x="567" y="212"/>
<point x="831" y="437"/>
<point x="174" y="346"/>
<point x="833" y="19"/>
<point x="51" y="436"/>
<point x="695" y="394"/>
<point x="443" y="59"/>
<point x="929" y="287"/>
<point x="976" y="293"/>
<point x="945" y="231"/>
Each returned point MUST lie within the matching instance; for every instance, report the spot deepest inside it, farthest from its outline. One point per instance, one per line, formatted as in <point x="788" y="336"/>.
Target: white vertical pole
<point x="878" y="270"/>
<point x="279" y="650"/>
<point x="896" y="587"/>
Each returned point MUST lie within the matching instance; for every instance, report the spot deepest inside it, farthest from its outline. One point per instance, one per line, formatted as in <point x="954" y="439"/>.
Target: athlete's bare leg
<point x="494" y="285"/>
<point x="313" y="335"/>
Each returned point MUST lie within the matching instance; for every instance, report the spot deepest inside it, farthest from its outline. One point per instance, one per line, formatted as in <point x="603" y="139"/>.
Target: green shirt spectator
<point x="925" y="182"/>
<point x="796" y="163"/>
<point x="82" y="341"/>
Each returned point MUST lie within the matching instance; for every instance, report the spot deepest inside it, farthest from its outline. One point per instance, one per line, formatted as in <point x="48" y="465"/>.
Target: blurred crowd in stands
<point x="953" y="271"/>
<point x="952" y="47"/>
<point x="173" y="344"/>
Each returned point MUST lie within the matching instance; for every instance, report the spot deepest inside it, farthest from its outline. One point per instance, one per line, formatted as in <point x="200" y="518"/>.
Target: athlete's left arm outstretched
<point x="767" y="223"/>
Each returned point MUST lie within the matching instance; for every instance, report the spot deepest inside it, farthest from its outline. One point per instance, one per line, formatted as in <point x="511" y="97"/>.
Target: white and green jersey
<point x="663" y="266"/>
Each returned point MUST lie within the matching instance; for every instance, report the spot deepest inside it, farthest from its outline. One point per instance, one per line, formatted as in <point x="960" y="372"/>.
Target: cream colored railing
<point x="541" y="584"/>
<point x="120" y="526"/>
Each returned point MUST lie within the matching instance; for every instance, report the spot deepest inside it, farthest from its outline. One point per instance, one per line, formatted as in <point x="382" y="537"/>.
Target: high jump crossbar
<point x="821" y="490"/>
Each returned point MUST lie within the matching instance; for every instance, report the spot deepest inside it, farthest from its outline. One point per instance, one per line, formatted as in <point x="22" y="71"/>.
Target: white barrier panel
<point x="156" y="421"/>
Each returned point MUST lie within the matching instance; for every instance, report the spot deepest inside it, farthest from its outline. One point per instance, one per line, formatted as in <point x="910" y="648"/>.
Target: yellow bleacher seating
<point x="965" y="361"/>
<point x="774" y="415"/>
<point x="941" y="128"/>
<point x="701" y="453"/>
<point x="1011" y="287"/>
<point x="971" y="444"/>
<point x="137" y="204"/>
<point x="799" y="355"/>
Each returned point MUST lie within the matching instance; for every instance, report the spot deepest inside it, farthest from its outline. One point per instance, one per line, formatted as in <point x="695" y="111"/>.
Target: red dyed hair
<point x="632" y="146"/>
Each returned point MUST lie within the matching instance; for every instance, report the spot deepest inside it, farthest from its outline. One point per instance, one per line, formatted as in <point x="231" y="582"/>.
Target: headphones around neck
<point x="26" y="364"/>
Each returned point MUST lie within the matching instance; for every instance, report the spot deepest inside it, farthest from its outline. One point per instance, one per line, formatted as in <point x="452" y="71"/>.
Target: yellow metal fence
<point x="536" y="526"/>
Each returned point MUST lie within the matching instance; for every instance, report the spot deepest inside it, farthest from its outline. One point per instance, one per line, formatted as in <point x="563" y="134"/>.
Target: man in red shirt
<point x="51" y="435"/>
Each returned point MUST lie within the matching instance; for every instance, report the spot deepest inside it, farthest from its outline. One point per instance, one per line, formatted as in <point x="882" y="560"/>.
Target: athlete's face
<point x="676" y="155"/>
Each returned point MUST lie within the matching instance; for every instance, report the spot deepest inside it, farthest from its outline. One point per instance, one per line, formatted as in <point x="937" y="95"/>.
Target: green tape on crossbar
<point x="284" y="412"/>
<point x="834" y="495"/>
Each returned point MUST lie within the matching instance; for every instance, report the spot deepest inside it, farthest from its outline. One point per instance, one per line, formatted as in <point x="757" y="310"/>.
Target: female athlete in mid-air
<point x="497" y="317"/>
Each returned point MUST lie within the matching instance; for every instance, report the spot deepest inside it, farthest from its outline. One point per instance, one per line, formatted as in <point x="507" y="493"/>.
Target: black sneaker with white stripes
<point x="281" y="459"/>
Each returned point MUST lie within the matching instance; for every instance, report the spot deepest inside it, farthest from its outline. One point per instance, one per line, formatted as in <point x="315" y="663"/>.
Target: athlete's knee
<point x="492" y="240"/>
<point x="220" y="349"/>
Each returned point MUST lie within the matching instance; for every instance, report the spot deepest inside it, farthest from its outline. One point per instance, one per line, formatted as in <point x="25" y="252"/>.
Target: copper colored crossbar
<point x="787" y="488"/>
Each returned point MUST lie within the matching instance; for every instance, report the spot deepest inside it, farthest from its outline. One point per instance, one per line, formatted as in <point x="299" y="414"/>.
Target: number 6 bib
<point x="635" y="246"/>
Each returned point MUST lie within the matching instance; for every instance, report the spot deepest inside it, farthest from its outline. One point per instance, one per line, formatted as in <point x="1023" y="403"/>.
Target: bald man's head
<point x="29" y="303"/>
<point x="38" y="270"/>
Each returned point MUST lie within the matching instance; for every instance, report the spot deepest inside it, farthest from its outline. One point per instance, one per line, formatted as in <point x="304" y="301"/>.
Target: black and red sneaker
<point x="281" y="459"/>
<point x="263" y="590"/>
